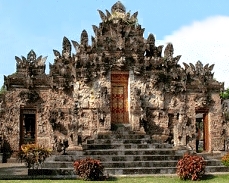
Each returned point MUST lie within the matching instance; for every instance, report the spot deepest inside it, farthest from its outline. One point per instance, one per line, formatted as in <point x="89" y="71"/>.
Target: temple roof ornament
<point x="118" y="7"/>
<point x="31" y="61"/>
<point x="169" y="50"/>
<point x="31" y="57"/>
<point x="118" y="44"/>
<point x="66" y="52"/>
<point x="30" y="72"/>
<point x="118" y="11"/>
<point x="151" y="39"/>
<point x="84" y="38"/>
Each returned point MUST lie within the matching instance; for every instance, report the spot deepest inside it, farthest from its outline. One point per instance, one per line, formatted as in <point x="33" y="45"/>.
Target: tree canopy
<point x="225" y="94"/>
<point x="3" y="89"/>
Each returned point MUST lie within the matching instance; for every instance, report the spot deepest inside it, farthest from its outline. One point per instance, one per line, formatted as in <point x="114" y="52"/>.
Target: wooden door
<point x="206" y="132"/>
<point x="119" y="98"/>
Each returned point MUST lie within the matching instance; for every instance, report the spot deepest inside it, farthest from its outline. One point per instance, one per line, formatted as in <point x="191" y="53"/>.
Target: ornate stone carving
<point x="30" y="72"/>
<point x="29" y="96"/>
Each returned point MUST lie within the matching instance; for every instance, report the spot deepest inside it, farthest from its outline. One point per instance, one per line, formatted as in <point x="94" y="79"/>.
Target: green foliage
<point x="191" y="167"/>
<point x="33" y="155"/>
<point x="89" y="169"/>
<point x="225" y="160"/>
<point x="225" y="94"/>
<point x="3" y="89"/>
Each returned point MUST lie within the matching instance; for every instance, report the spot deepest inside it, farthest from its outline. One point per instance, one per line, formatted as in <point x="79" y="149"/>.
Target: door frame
<point x="26" y="111"/>
<point x="206" y="130"/>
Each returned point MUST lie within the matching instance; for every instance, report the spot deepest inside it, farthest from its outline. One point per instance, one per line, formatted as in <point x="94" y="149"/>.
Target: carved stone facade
<point x="121" y="78"/>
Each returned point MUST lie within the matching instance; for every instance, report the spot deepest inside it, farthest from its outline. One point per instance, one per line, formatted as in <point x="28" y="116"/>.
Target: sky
<point x="198" y="29"/>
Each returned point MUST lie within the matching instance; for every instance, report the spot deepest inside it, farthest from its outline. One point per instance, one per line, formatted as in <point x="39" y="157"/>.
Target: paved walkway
<point x="13" y="170"/>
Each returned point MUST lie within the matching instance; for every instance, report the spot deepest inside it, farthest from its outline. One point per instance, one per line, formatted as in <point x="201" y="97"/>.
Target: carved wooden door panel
<point x="119" y="98"/>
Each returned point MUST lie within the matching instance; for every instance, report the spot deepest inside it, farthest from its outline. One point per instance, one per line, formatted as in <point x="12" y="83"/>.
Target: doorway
<point x="28" y="126"/>
<point x="119" y="97"/>
<point x="203" y="124"/>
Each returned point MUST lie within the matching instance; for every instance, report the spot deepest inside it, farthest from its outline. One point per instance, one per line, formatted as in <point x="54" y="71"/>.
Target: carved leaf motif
<point x="211" y="67"/>
<point x="57" y="54"/>
<point x="19" y="61"/>
<point x="108" y="14"/>
<point x="75" y="45"/>
<point x="192" y="66"/>
<point x="133" y="17"/>
<point x="102" y="15"/>
<point x="39" y="58"/>
<point x="95" y="29"/>
<point x="23" y="58"/>
<point x="186" y="66"/>
<point x="93" y="41"/>
<point x="43" y="60"/>
<point x="206" y="67"/>
<point x="176" y="59"/>
<point x="168" y="50"/>
<point x="84" y="38"/>
<point x="151" y="39"/>
<point x="66" y="52"/>
<point x="159" y="50"/>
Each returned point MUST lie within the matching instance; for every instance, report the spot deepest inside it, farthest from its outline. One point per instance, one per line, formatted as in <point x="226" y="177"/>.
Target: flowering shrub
<point x="225" y="160"/>
<point x="33" y="155"/>
<point x="89" y="169"/>
<point x="191" y="167"/>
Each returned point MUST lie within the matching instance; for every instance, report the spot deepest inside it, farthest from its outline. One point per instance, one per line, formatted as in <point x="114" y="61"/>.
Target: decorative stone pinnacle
<point x="118" y="7"/>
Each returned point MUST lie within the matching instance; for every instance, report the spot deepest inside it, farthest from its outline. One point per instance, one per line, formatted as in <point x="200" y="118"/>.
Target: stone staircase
<point x="126" y="153"/>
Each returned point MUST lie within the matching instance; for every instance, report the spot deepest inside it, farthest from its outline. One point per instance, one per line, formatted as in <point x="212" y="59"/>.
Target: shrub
<point x="33" y="155"/>
<point x="89" y="169"/>
<point x="225" y="160"/>
<point x="191" y="167"/>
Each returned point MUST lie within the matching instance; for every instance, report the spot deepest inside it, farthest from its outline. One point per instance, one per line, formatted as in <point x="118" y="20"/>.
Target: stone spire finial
<point x="151" y="39"/>
<point x="84" y="38"/>
<point x="118" y="7"/>
<point x="66" y="52"/>
<point x="31" y="56"/>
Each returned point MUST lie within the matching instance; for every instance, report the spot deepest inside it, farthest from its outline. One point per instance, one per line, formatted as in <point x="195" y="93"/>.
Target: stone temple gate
<point x="120" y="79"/>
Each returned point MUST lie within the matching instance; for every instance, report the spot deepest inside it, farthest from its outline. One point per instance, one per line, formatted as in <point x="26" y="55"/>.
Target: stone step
<point x="139" y="171"/>
<point x="120" y="141"/>
<point x="109" y="164"/>
<point x="214" y="169"/>
<point x="116" y="146"/>
<point x="122" y="136"/>
<point x="117" y="164"/>
<point x="104" y="158"/>
<point x="130" y="152"/>
<point x="127" y="171"/>
<point x="126" y="146"/>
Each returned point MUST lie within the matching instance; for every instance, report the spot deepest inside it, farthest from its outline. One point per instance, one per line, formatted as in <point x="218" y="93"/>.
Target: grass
<point x="150" y="179"/>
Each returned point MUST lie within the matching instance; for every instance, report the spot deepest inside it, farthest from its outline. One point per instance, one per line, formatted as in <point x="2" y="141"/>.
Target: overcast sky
<point x="198" y="29"/>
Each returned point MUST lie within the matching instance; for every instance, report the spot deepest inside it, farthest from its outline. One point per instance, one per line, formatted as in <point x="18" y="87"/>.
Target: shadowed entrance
<point x="28" y="126"/>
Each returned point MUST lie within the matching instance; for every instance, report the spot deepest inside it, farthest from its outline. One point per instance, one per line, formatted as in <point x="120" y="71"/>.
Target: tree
<point x="225" y="94"/>
<point x="3" y="89"/>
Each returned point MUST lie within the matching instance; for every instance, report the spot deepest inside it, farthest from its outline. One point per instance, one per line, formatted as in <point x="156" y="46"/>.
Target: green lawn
<point x="155" y="179"/>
